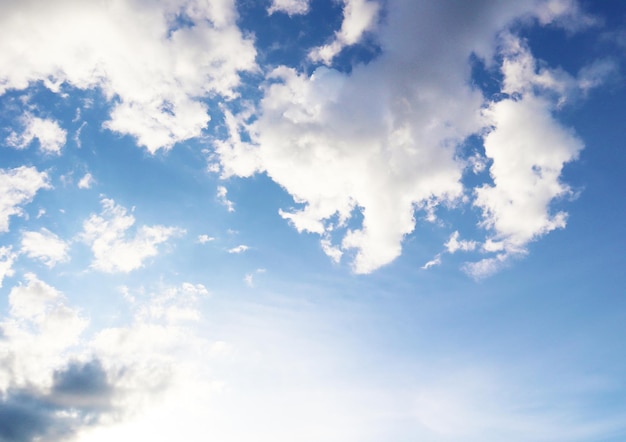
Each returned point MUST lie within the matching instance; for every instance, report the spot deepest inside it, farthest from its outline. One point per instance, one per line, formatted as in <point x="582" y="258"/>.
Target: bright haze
<point x="312" y="220"/>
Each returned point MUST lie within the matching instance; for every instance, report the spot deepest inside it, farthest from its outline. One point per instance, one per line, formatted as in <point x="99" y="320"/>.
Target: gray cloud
<point x="79" y="395"/>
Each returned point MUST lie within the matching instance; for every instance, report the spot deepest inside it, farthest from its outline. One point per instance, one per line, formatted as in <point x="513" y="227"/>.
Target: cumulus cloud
<point x="50" y="135"/>
<point x="359" y="16"/>
<point x="151" y="67"/>
<point x="528" y="149"/>
<point x="18" y="187"/>
<point x="44" y="246"/>
<point x="290" y="7"/>
<point x="107" y="234"/>
<point x="86" y="181"/>
<point x="386" y="140"/>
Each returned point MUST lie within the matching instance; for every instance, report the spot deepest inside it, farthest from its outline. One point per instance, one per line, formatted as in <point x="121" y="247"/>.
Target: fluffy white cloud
<point x="18" y="187"/>
<point x="528" y="148"/>
<point x="454" y="244"/>
<point x="238" y="249"/>
<point x="385" y="139"/>
<point x="50" y="135"/>
<point x="290" y="7"/>
<point x="155" y="69"/>
<point x="44" y="246"/>
<point x="107" y="235"/>
<point x="359" y="16"/>
<point x="86" y="181"/>
<point x="381" y="140"/>
<point x="6" y="262"/>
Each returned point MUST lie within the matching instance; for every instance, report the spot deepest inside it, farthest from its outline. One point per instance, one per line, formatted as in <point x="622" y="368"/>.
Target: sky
<point x="312" y="220"/>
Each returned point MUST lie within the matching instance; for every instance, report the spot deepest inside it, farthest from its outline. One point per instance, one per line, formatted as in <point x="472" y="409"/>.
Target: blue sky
<point x="312" y="220"/>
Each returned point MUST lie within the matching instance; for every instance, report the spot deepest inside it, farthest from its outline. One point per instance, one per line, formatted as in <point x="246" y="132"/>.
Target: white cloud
<point x="566" y="14"/>
<point x="18" y="187"/>
<point x="433" y="262"/>
<point x="44" y="246"/>
<point x="222" y="193"/>
<point x="203" y="239"/>
<point x="359" y="16"/>
<point x="332" y="251"/>
<point x="454" y="244"/>
<point x="7" y="257"/>
<point x="153" y="70"/>
<point x="38" y="333"/>
<point x="86" y="181"/>
<point x="77" y="139"/>
<point x="528" y="149"/>
<point x="50" y="135"/>
<point x="524" y="75"/>
<point x="290" y="7"/>
<point x="239" y="249"/>
<point x="107" y="235"/>
<point x="383" y="140"/>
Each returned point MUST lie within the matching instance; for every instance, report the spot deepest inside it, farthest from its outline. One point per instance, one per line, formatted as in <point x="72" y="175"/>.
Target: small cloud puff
<point x="86" y="181"/>
<point x="238" y="249"/>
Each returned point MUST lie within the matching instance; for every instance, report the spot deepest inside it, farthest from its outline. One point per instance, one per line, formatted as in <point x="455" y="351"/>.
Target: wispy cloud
<point x="222" y="193"/>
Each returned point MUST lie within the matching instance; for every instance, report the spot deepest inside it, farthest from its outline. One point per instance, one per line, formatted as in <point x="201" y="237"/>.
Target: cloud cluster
<point x="364" y="154"/>
<point x="56" y="384"/>
<point x="386" y="140"/>
<point x="107" y="236"/>
<point x="154" y="61"/>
